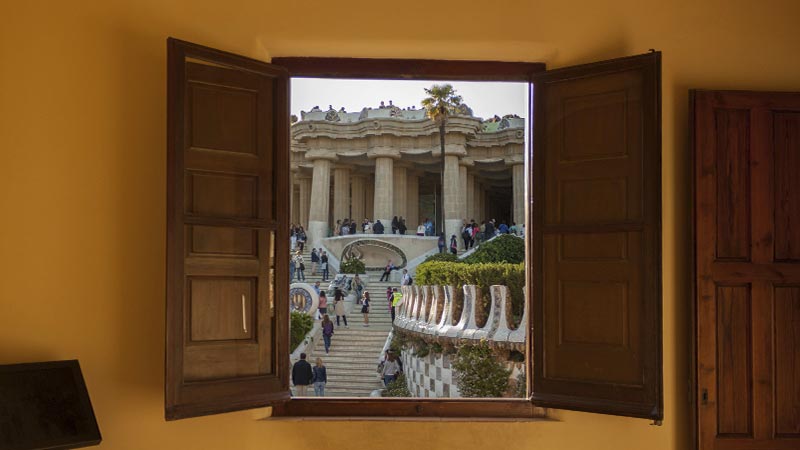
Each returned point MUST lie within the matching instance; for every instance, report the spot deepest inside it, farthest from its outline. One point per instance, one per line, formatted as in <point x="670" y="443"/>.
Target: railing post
<point x="519" y="335"/>
<point x="500" y="299"/>
<point x="445" y="323"/>
<point x="467" y="314"/>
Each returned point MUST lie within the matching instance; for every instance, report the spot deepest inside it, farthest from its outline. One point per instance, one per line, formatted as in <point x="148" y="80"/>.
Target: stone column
<point x="383" y="198"/>
<point x="369" y="196"/>
<point x="452" y="200"/>
<point x="358" y="184"/>
<point x="462" y="191"/>
<point x="305" y="200"/>
<point x="399" y="208"/>
<point x="341" y="193"/>
<point x="412" y="202"/>
<point x="518" y="187"/>
<point x="294" y="201"/>
<point x="471" y="203"/>
<point x="320" y="194"/>
<point x="481" y="201"/>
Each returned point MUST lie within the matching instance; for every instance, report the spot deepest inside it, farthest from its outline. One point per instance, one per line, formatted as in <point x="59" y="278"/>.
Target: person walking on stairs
<point x="302" y="376"/>
<point x="391" y="368"/>
<point x="327" y="332"/>
<point x="323" y="303"/>
<point x="338" y="307"/>
<point x="320" y="378"/>
<point x="314" y="261"/>
<point x="300" y="266"/>
<point x="397" y="298"/>
<point x="365" y="308"/>
<point x="323" y="265"/>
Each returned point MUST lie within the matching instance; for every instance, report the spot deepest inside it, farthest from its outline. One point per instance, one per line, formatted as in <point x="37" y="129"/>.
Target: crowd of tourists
<point x="319" y="262"/>
<point x="345" y="227"/>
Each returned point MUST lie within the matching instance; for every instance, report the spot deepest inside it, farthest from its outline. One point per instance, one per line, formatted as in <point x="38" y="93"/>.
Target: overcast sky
<point x="486" y="99"/>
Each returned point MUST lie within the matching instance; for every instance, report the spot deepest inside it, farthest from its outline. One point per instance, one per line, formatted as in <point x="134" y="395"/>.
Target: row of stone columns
<point x="395" y="192"/>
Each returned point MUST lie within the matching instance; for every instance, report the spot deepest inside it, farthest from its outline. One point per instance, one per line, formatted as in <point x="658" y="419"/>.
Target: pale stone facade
<point x="386" y="161"/>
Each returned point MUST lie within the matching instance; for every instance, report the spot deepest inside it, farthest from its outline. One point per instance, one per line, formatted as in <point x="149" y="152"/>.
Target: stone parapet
<point x="447" y="313"/>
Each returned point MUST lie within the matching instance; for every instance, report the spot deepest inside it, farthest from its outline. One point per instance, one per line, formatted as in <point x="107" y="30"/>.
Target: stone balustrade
<point x="451" y="313"/>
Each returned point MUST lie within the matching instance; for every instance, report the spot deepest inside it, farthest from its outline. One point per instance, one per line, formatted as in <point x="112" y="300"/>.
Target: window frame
<point x="434" y="70"/>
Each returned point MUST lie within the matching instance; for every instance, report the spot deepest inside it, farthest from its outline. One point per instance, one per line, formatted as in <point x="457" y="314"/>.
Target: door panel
<point x="228" y="150"/>
<point x="747" y="203"/>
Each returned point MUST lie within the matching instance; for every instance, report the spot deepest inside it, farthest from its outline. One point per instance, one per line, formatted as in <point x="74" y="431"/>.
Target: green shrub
<point x="519" y="388"/>
<point x="447" y="257"/>
<point x="482" y="275"/>
<point x="505" y="248"/>
<point x="397" y="388"/>
<point x="352" y="265"/>
<point x="422" y="349"/>
<point x="300" y="325"/>
<point x="478" y="373"/>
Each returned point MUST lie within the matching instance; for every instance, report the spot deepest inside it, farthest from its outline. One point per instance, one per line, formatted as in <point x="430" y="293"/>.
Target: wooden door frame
<point x="414" y="69"/>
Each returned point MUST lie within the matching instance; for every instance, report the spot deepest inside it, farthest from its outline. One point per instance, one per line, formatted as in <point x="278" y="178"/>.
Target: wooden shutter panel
<point x="747" y="262"/>
<point x="227" y="219"/>
<point x="596" y="242"/>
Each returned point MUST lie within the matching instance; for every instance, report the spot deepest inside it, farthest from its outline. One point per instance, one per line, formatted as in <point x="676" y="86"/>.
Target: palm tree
<point x="441" y="102"/>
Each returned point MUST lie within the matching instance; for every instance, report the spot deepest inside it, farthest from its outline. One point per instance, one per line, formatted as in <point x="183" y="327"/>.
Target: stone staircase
<point x="355" y="351"/>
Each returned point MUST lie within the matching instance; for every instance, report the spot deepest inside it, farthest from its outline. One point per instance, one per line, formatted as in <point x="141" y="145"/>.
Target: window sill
<point x="456" y="410"/>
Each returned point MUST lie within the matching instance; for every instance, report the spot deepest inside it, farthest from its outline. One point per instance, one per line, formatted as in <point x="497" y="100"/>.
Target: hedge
<point x="300" y="325"/>
<point x="505" y="248"/>
<point x="447" y="257"/>
<point x="482" y="275"/>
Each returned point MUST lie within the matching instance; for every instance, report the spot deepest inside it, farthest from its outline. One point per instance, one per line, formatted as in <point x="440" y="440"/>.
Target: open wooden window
<point x="594" y="252"/>
<point x="227" y="337"/>
<point x="596" y="242"/>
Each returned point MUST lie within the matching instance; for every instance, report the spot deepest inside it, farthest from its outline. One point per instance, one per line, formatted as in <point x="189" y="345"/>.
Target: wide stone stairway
<point x="355" y="351"/>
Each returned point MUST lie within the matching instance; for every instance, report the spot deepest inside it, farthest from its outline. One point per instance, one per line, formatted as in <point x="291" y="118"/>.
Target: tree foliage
<point x="441" y="102"/>
<point x="478" y="373"/>
<point x="352" y="265"/>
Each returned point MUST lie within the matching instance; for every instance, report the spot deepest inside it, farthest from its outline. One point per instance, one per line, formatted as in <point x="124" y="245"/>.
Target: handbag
<point x="302" y="266"/>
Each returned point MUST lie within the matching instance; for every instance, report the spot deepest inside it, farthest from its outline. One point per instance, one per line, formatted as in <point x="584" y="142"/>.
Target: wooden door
<point x="747" y="257"/>
<point x="227" y="218"/>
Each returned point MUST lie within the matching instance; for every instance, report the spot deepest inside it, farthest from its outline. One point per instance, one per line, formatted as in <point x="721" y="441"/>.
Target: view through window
<point x="407" y="241"/>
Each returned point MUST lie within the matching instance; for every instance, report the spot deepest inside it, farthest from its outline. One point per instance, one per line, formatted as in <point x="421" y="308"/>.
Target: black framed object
<point x="45" y="405"/>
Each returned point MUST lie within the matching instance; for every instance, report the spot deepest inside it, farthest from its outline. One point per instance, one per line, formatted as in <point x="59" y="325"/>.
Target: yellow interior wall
<point x="82" y="179"/>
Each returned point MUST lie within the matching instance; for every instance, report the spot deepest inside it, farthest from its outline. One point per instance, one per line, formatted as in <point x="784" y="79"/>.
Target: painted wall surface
<point x="83" y="179"/>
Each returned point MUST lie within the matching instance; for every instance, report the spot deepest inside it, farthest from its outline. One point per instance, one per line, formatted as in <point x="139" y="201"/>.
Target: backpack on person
<point x="410" y="281"/>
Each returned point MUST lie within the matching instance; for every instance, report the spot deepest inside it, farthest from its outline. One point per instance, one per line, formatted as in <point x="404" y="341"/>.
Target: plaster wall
<point x="82" y="191"/>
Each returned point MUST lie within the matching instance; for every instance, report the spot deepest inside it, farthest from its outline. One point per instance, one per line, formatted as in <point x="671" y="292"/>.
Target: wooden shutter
<point x="227" y="219"/>
<point x="596" y="242"/>
<point x="747" y="259"/>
